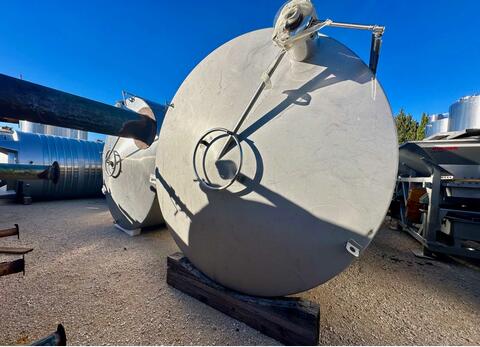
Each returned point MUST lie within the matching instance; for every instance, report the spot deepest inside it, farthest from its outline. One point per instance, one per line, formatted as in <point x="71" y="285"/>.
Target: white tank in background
<point x="437" y="124"/>
<point x="36" y="128"/>
<point x="79" y="162"/>
<point x="127" y="170"/>
<point x="465" y="114"/>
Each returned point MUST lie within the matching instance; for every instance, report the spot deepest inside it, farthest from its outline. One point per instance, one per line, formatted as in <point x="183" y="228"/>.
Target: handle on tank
<point x="206" y="182"/>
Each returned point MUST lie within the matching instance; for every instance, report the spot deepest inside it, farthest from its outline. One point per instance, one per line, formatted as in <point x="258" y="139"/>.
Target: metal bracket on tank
<point x="127" y="95"/>
<point x="297" y="21"/>
<point x="353" y="248"/>
<point x="153" y="180"/>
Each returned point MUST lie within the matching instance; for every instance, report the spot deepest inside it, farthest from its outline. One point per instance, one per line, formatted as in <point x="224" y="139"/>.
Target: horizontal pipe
<point x="30" y="172"/>
<point x="24" y="100"/>
<point x="376" y="28"/>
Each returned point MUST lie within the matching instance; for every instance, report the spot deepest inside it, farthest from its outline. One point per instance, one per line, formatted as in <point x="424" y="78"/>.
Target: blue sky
<point x="430" y="56"/>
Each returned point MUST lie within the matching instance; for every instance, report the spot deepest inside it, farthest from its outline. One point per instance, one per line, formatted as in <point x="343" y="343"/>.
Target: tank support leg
<point x="133" y="232"/>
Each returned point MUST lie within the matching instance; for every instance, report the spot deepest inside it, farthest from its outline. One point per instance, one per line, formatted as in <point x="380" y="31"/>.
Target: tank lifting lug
<point x="353" y="248"/>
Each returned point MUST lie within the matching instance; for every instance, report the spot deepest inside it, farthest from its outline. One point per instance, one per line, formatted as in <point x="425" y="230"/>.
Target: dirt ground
<point x="106" y="287"/>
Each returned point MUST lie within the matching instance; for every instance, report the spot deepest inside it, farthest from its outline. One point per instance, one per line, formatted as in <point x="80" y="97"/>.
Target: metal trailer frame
<point x="440" y="222"/>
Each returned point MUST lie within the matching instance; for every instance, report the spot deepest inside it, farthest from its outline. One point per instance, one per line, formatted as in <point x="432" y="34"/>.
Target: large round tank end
<point x="312" y="181"/>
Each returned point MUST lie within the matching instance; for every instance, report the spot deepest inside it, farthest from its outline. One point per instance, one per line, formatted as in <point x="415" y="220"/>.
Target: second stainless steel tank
<point x="465" y="114"/>
<point x="79" y="161"/>
<point x="131" y="196"/>
<point x="37" y="128"/>
<point x="438" y="123"/>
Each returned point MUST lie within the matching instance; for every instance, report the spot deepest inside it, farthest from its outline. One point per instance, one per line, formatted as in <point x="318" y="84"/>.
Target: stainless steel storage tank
<point x="37" y="128"/>
<point x="127" y="171"/>
<point x="31" y="127"/>
<point x="311" y="175"/>
<point x="465" y="114"/>
<point x="79" y="160"/>
<point x="66" y="132"/>
<point x="438" y="123"/>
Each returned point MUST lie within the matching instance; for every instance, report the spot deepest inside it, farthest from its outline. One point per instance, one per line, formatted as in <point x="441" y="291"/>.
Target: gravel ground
<point x="109" y="288"/>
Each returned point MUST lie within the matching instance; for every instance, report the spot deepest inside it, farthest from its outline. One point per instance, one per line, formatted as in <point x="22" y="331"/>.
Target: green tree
<point x="421" y="127"/>
<point x="406" y="127"/>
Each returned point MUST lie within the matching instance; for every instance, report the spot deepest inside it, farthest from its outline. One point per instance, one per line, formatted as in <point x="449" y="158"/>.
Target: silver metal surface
<point x="353" y="248"/>
<point x="131" y="197"/>
<point x="66" y="132"/>
<point x="37" y="128"/>
<point x="449" y="171"/>
<point x="29" y="172"/>
<point x="465" y="114"/>
<point x="437" y="124"/>
<point x="31" y="127"/>
<point x="458" y="157"/>
<point x="296" y="24"/>
<point x="79" y="161"/>
<point x="437" y="116"/>
<point x="319" y="165"/>
<point x="370" y="27"/>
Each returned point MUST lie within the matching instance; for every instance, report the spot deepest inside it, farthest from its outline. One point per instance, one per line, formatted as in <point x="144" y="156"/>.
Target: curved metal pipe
<point x="22" y="100"/>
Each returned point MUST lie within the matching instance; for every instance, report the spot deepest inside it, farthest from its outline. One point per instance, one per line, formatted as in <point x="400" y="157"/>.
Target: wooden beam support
<point x="10" y="232"/>
<point x="15" y="250"/>
<point x="290" y="320"/>
<point x="11" y="267"/>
